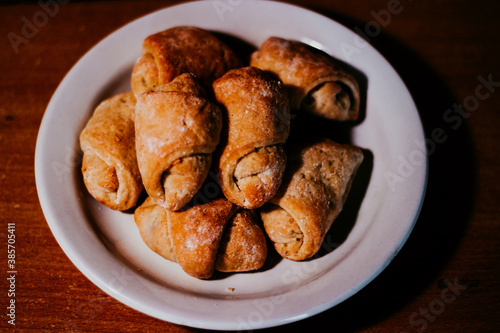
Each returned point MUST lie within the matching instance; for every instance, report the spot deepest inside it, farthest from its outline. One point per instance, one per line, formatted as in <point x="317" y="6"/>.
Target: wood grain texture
<point x="440" y="49"/>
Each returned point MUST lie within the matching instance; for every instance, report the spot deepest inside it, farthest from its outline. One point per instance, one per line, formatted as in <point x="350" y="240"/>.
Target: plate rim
<point x="76" y="258"/>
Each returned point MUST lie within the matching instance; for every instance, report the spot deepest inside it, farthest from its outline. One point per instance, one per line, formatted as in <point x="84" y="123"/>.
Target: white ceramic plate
<point x="105" y="245"/>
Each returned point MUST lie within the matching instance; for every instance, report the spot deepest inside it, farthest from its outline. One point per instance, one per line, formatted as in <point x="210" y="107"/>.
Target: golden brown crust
<point x="257" y="124"/>
<point x="196" y="234"/>
<point x="152" y="222"/>
<point x="314" y="81"/>
<point x="243" y="246"/>
<point x="184" y="49"/>
<point x="204" y="237"/>
<point x="177" y="129"/>
<point x="109" y="164"/>
<point x="313" y="192"/>
<point x="282" y="230"/>
<point x="145" y="76"/>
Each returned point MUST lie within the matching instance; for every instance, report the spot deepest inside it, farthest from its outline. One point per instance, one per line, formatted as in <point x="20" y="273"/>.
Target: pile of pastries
<point x="203" y="136"/>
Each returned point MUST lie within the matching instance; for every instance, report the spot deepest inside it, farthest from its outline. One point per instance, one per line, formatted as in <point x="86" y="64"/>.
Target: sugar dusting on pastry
<point x="176" y="127"/>
<point x="311" y="196"/>
<point x="258" y="122"/>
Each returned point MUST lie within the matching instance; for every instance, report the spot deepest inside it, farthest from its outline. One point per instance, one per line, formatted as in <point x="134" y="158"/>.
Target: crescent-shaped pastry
<point x="243" y="245"/>
<point x="177" y="129"/>
<point x="252" y="160"/>
<point x="109" y="164"/>
<point x="315" y="81"/>
<point x="184" y="49"/>
<point x="313" y="192"/>
<point x="204" y="237"/>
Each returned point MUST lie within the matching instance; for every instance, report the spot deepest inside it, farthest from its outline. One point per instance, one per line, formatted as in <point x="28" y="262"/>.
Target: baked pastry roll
<point x="314" y="80"/>
<point x="177" y="129"/>
<point x="184" y="49"/>
<point x="109" y="165"/>
<point x="252" y="160"/>
<point x="313" y="192"/>
<point x="201" y="238"/>
<point x="243" y="245"/>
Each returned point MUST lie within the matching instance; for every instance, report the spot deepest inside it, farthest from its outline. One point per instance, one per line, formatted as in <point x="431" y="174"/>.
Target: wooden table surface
<point x="445" y="279"/>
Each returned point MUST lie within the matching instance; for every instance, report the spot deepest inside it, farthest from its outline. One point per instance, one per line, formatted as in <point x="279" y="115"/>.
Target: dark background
<point x="439" y="48"/>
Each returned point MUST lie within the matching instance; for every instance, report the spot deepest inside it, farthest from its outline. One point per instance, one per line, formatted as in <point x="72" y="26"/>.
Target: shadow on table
<point x="447" y="206"/>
